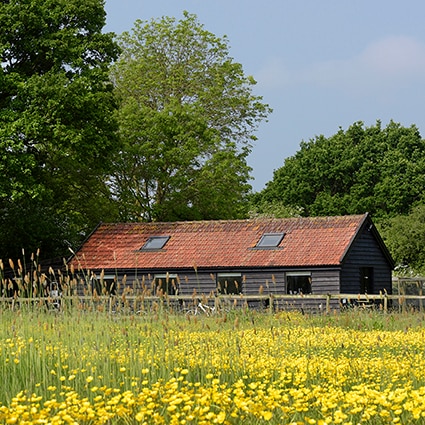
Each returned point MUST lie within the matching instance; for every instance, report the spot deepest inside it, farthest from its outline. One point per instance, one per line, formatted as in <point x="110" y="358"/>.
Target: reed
<point x="85" y="366"/>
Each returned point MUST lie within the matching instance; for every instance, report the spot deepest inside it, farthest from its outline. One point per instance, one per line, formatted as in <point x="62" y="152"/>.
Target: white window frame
<point x="229" y="275"/>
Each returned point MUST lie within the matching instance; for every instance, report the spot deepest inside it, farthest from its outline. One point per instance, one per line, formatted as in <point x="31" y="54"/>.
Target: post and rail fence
<point x="407" y="295"/>
<point x="131" y="304"/>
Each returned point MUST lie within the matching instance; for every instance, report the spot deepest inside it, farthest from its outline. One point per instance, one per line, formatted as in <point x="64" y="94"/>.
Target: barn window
<point x="155" y="243"/>
<point x="229" y="283"/>
<point x="104" y="284"/>
<point x="166" y="284"/>
<point x="270" y="240"/>
<point x="298" y="283"/>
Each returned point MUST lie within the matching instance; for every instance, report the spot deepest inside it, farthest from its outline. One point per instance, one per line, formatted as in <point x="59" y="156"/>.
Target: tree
<point x="57" y="130"/>
<point x="259" y="208"/>
<point x="405" y="235"/>
<point x="373" y="169"/>
<point x="187" y="117"/>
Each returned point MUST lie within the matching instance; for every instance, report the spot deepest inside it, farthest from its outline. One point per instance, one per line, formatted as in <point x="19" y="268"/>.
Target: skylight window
<point x="270" y="240"/>
<point x="155" y="243"/>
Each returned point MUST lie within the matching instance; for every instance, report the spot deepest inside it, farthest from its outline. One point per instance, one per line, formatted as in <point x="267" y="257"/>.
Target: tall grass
<point x="90" y="367"/>
<point x="112" y="360"/>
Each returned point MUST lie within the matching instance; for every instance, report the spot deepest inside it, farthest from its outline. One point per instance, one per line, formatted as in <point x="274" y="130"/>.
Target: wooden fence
<point x="130" y="304"/>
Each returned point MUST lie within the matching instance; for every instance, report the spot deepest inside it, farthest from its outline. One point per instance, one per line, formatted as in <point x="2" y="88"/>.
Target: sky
<point x="321" y="65"/>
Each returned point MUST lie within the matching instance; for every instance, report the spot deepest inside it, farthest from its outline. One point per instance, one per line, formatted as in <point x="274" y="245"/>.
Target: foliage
<point x="405" y="235"/>
<point x="273" y="209"/>
<point x="56" y="125"/>
<point x="187" y="116"/>
<point x="374" y="169"/>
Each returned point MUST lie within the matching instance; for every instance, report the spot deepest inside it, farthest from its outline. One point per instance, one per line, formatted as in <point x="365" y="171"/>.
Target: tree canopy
<point x="363" y="169"/>
<point x="57" y="129"/>
<point x="187" y="117"/>
<point x="405" y="235"/>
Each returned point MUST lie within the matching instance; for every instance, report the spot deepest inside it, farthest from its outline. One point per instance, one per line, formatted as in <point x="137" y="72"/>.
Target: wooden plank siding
<point x="323" y="281"/>
<point x="365" y="252"/>
<point x="186" y="281"/>
<point x="305" y="305"/>
<point x="326" y="281"/>
<point x="264" y="281"/>
<point x="204" y="281"/>
<point x="201" y="285"/>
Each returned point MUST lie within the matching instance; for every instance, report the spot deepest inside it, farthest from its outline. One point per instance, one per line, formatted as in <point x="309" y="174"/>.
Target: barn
<point x="293" y="256"/>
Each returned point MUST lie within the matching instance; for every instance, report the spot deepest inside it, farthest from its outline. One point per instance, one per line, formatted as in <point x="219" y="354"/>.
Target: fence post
<point x="328" y="303"/>
<point x="385" y="302"/>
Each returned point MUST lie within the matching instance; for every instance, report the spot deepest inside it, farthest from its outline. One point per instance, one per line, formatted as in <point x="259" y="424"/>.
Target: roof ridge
<point x="237" y="220"/>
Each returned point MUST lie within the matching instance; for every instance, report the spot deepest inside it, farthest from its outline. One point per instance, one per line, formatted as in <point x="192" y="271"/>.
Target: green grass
<point x="249" y="357"/>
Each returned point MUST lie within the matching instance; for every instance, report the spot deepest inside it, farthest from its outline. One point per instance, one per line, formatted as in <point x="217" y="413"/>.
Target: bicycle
<point x="201" y="309"/>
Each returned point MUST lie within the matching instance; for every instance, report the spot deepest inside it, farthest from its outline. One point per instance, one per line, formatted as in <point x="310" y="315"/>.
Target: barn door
<point x="366" y="280"/>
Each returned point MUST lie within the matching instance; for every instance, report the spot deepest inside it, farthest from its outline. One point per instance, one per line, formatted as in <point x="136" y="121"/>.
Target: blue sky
<point x="320" y="65"/>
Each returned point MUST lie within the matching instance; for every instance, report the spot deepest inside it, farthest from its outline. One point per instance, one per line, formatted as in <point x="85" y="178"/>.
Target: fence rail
<point x="322" y="302"/>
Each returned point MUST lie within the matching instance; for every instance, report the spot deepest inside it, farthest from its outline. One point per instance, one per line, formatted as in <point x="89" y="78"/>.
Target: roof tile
<point x="231" y="243"/>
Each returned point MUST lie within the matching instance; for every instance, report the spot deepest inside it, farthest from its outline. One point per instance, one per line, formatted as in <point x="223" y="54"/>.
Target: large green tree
<point x="57" y="127"/>
<point x="187" y="118"/>
<point x="373" y="169"/>
<point x="405" y="237"/>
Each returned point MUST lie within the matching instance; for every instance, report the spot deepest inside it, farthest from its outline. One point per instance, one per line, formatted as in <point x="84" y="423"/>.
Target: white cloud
<point x="395" y="57"/>
<point x="387" y="63"/>
<point x="274" y="74"/>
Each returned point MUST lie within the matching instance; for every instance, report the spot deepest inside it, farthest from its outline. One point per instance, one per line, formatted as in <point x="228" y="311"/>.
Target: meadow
<point x="80" y="367"/>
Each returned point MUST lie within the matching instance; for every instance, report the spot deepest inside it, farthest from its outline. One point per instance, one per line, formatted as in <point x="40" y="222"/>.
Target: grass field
<point x="77" y="367"/>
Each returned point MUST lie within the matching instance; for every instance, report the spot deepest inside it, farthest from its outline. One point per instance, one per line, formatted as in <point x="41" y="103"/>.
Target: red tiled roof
<point x="313" y="241"/>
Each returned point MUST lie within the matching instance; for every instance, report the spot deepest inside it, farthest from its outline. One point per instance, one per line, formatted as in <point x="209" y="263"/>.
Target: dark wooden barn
<point x="315" y="255"/>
